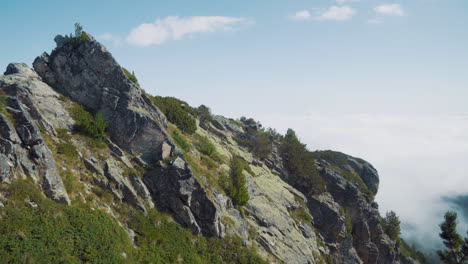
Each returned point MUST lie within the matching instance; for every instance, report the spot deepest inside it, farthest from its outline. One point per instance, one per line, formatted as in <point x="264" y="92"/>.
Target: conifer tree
<point x="457" y="248"/>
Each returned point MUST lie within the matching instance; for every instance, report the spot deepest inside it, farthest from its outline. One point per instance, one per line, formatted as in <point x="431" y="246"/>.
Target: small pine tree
<point x="238" y="191"/>
<point x="80" y="35"/>
<point x="392" y="225"/>
<point x="457" y="248"/>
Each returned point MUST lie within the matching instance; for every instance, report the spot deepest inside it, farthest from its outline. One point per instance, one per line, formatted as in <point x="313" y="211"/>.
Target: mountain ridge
<point x="142" y="163"/>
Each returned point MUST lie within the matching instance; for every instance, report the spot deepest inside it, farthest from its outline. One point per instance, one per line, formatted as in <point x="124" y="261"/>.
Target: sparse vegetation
<point x="348" y="222"/>
<point x="80" y="36"/>
<point x="301" y="163"/>
<point x="37" y="230"/>
<point x="68" y="150"/>
<point x="54" y="233"/>
<point x="94" y="127"/>
<point x="3" y="102"/>
<point x="300" y="215"/>
<point x="204" y="115"/>
<point x="235" y="185"/>
<point x="180" y="141"/>
<point x="205" y="146"/>
<point x="177" y="112"/>
<point x="130" y="76"/>
<point x="391" y="225"/>
<point x="257" y="142"/>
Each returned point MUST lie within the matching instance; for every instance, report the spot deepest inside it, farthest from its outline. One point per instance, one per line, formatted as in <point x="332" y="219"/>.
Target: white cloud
<point x="390" y="10"/>
<point x="420" y="158"/>
<point x="339" y="13"/>
<point x="375" y="20"/>
<point x="117" y="41"/>
<point x="176" y="28"/>
<point x="301" y="15"/>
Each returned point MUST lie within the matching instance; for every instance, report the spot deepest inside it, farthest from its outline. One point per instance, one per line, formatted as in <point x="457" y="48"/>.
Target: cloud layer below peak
<point x="176" y="28"/>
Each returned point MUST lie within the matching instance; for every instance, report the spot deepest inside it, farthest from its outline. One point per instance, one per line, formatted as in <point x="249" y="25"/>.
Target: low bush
<point x="131" y="76"/>
<point x="80" y="36"/>
<point x="54" y="233"/>
<point x="3" y="102"/>
<point x="257" y="142"/>
<point x="180" y="141"/>
<point x="234" y="185"/>
<point x="300" y="216"/>
<point x="85" y="123"/>
<point x="68" y="150"/>
<point x="204" y="115"/>
<point x="205" y="146"/>
<point x="208" y="162"/>
<point x="177" y="112"/>
<point x="301" y="163"/>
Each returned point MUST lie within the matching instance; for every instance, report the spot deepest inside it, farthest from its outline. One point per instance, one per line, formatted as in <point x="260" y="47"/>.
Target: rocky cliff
<point x="141" y="165"/>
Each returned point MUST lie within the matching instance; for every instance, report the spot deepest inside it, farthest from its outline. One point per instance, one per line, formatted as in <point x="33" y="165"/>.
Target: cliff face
<point x="141" y="165"/>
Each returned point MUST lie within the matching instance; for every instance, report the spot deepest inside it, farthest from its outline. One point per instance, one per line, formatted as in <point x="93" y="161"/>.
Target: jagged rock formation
<point x="282" y="218"/>
<point x="88" y="74"/>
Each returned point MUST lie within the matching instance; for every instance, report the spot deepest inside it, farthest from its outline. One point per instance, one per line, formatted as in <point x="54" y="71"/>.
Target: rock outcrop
<point x="88" y="74"/>
<point x="23" y="146"/>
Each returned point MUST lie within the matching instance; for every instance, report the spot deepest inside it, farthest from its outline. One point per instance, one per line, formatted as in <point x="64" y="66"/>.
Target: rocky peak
<point x="88" y="74"/>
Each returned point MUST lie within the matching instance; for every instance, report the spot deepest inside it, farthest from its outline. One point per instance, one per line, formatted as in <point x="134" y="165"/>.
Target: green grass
<point x="68" y="150"/>
<point x="3" y="102"/>
<point x="300" y="215"/>
<point x="56" y="233"/>
<point x="87" y="124"/>
<point x="131" y="76"/>
<point x="180" y="141"/>
<point x="204" y="145"/>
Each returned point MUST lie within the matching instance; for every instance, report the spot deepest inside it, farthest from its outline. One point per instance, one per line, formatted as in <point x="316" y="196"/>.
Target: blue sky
<point x="386" y="80"/>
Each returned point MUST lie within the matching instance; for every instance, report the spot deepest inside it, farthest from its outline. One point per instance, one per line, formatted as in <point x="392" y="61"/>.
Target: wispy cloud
<point x="176" y="28"/>
<point x="375" y="20"/>
<point x="301" y="15"/>
<point x="390" y="10"/>
<point x="338" y="13"/>
<point x="117" y="41"/>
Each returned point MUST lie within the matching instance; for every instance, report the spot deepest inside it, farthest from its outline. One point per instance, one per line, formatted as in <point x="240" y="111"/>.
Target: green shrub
<point x="333" y="157"/>
<point x="301" y="163"/>
<point x="391" y="225"/>
<point x="257" y="142"/>
<point x="56" y="233"/>
<point x="163" y="241"/>
<point x="204" y="115"/>
<point x="300" y="215"/>
<point x="208" y="162"/>
<point x="68" y="150"/>
<point x="130" y="76"/>
<point x="94" y="127"/>
<point x="3" y="102"/>
<point x="235" y="186"/>
<point x="70" y="181"/>
<point x="348" y="222"/>
<point x="205" y="146"/>
<point x="412" y="252"/>
<point x="177" y="112"/>
<point x="180" y="141"/>
<point x="63" y="134"/>
<point x="80" y="35"/>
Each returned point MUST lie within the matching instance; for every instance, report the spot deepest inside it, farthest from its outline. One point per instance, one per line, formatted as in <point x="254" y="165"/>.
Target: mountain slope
<point x="144" y="162"/>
